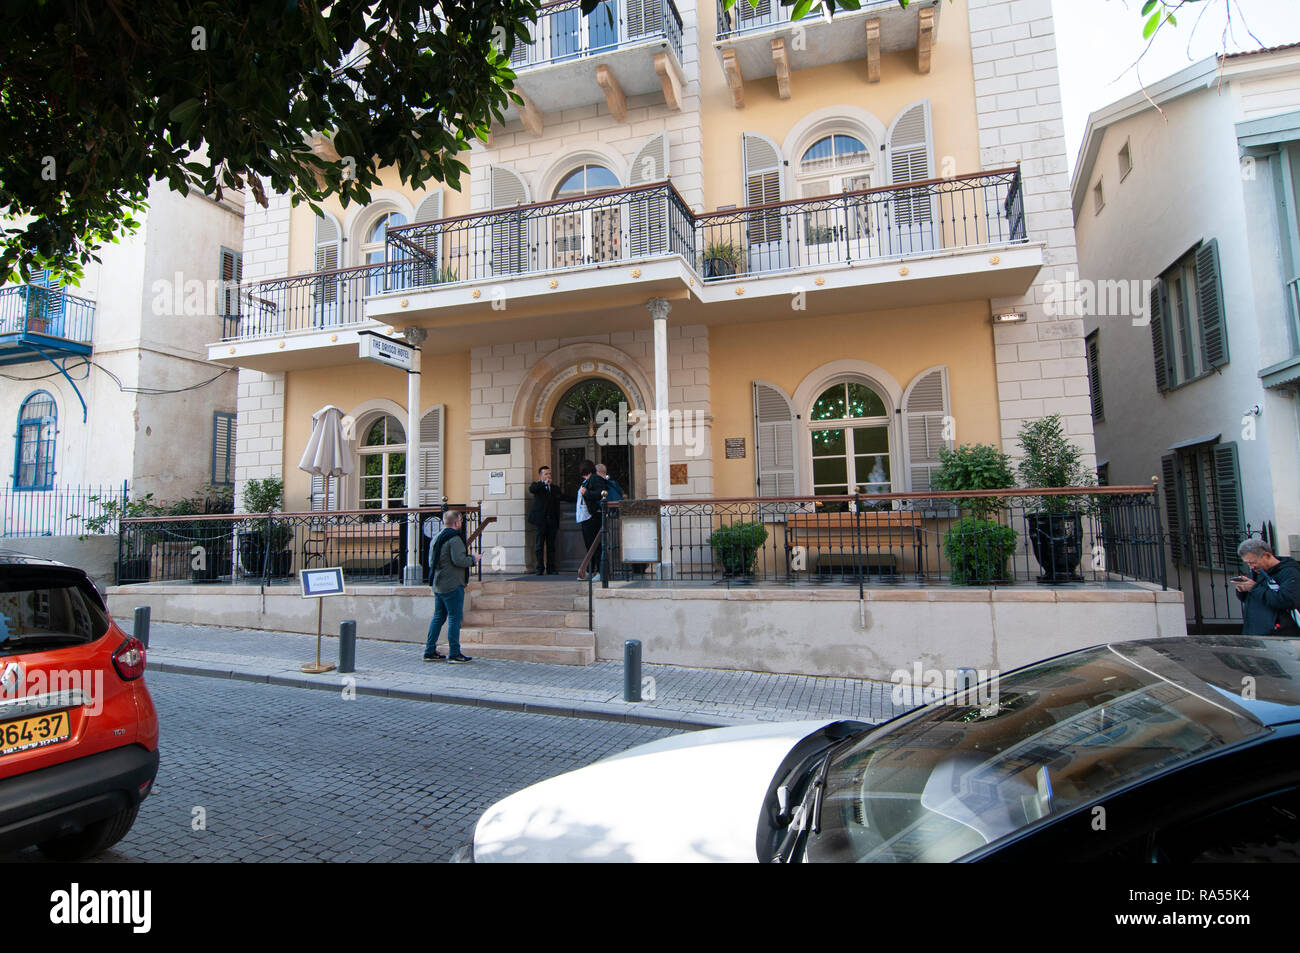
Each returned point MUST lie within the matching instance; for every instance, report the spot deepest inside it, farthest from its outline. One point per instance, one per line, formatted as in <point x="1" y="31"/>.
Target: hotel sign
<point x="385" y="350"/>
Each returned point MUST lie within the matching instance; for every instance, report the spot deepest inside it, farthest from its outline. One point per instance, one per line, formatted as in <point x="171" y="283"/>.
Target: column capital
<point x="415" y="336"/>
<point x="659" y="308"/>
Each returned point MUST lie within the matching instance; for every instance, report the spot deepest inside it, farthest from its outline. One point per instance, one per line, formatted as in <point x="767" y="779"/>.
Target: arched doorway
<point x="576" y="435"/>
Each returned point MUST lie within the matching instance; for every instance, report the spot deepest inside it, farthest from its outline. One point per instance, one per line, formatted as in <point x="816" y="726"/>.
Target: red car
<point x="78" y="730"/>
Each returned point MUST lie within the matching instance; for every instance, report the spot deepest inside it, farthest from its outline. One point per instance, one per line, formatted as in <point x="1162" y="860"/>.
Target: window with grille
<point x="1204" y="504"/>
<point x="38" y="420"/>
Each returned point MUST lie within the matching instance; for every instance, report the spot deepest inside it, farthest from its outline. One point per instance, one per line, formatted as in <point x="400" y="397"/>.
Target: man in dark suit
<point x="592" y="490"/>
<point x="544" y="514"/>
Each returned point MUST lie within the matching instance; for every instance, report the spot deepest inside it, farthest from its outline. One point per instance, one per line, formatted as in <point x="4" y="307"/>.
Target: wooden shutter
<point x="1158" y="351"/>
<point x="1209" y="289"/>
<point x="749" y="15"/>
<point x="318" y="493"/>
<point x="509" y="234"/>
<point x="328" y="257"/>
<point x="1229" y="509"/>
<point x="648" y="216"/>
<point x="911" y="159"/>
<point x="774" y="435"/>
<point x="644" y="17"/>
<point x="1173" y="506"/>
<point x="223" y="449"/>
<point x="1094" y="376"/>
<point x="431" y="428"/>
<point x="232" y="273"/>
<point x="925" y="407"/>
<point x="764" y="184"/>
<point x="429" y="271"/>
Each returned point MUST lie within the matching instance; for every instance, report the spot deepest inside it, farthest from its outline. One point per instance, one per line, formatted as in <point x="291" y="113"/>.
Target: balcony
<point x="940" y="240"/>
<point x="756" y="42"/>
<point x="38" y="322"/>
<point x="622" y="48"/>
<point x="1286" y="374"/>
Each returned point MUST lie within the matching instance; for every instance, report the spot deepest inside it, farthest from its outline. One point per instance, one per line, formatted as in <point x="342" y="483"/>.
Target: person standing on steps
<point x="615" y="491"/>
<point x="590" y="494"/>
<point x="449" y="565"/>
<point x="544" y="514"/>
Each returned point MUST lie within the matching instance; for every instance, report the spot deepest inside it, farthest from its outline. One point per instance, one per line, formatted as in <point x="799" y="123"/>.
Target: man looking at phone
<point x="1270" y="595"/>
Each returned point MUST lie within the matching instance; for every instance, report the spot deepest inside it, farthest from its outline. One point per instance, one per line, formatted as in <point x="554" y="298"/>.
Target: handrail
<point x="586" y="560"/>
<point x="1013" y="493"/>
<point x="481" y="526"/>
<point x="309" y="514"/>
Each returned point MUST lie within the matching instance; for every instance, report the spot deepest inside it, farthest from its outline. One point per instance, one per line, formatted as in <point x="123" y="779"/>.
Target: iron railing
<point x="59" y="510"/>
<point x="743" y="18"/>
<point x="1058" y="536"/>
<point x="606" y="227"/>
<point x="562" y="33"/>
<point x="265" y="548"/>
<point x="1202" y="565"/>
<point x="316" y="301"/>
<point x="52" y="312"/>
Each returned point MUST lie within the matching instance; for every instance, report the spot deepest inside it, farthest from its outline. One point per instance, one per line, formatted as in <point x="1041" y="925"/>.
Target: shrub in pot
<point x="978" y="547"/>
<point x="265" y="543"/>
<point x="736" y="546"/>
<point x="722" y="259"/>
<point x="134" y="543"/>
<point x="1056" y="526"/>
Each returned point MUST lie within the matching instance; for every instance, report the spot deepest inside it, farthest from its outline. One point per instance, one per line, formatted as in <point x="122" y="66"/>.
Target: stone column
<point x="414" y="472"/>
<point x="659" y="308"/>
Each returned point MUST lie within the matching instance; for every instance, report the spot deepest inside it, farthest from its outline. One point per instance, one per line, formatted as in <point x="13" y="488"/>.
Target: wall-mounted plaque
<point x="677" y="474"/>
<point x="497" y="445"/>
<point x="735" y="448"/>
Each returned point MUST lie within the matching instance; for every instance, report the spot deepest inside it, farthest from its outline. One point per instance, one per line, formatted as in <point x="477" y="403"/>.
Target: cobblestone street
<point x="281" y="774"/>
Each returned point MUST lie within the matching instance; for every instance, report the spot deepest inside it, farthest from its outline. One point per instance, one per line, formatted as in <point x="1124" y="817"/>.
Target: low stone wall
<point x="821" y="631"/>
<point x="97" y="555"/>
<point x="396" y="613"/>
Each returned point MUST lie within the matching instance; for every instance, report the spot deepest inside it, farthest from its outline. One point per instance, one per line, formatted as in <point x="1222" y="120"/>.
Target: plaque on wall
<point x="735" y="448"/>
<point x="496" y="445"/>
<point x="677" y="474"/>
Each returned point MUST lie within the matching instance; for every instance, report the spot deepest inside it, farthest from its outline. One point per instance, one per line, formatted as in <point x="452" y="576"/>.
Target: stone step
<point x="526" y="618"/>
<point x="539" y="587"/>
<point x="549" y="654"/>
<point x="521" y="635"/>
<point x="529" y="601"/>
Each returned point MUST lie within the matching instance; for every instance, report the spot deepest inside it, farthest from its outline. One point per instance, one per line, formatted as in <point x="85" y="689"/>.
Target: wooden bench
<point x="843" y="542"/>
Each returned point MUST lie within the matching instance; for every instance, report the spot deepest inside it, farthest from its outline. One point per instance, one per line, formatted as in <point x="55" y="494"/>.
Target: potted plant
<point x="978" y="547"/>
<point x="212" y="535"/>
<point x="133" y="542"/>
<point x="736" y="547"/>
<point x="1056" y="528"/>
<point x="722" y="259"/>
<point x="264" y="544"/>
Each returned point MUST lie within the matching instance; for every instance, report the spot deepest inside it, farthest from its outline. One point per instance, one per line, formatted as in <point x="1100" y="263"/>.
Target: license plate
<point x="34" y="732"/>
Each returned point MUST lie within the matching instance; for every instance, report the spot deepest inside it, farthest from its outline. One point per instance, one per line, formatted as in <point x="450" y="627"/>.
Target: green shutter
<point x="1094" y="377"/>
<point x="223" y="449"/>
<point x="1173" y="524"/>
<point x="1228" y="503"/>
<point x="1158" y="335"/>
<point x="1209" y="288"/>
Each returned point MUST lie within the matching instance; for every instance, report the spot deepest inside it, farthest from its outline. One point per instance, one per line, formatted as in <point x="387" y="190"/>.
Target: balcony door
<point x="375" y="251"/>
<point x="572" y="34"/>
<point x="588" y="235"/>
<point x="838" y="230"/>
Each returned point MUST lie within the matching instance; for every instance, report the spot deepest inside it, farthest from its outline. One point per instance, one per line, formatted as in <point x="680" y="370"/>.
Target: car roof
<point x="11" y="557"/>
<point x="1261" y="674"/>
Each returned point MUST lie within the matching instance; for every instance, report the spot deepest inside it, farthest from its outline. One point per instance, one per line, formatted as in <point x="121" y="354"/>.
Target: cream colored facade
<point x="891" y="312"/>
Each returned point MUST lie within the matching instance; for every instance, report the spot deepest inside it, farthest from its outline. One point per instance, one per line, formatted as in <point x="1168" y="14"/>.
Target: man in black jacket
<point x="1270" y="593"/>
<point x="592" y="492"/>
<point x="544" y="514"/>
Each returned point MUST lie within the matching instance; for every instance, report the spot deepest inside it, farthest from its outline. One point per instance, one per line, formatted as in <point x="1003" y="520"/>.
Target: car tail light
<point x="129" y="659"/>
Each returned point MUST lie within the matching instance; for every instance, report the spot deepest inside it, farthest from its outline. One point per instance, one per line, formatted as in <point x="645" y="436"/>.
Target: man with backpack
<point x="449" y="564"/>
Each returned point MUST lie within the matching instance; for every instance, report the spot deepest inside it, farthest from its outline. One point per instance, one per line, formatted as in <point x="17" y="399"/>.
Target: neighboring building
<point x="1184" y="200"/>
<point x="101" y="381"/>
<point x="678" y="218"/>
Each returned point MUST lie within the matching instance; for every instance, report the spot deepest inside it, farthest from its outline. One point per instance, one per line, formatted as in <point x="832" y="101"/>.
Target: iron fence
<point x="52" y="312"/>
<point x="563" y="33"/>
<point x="1097" y="535"/>
<point x="61" y="510"/>
<point x="744" y="17"/>
<point x="1202" y="565"/>
<point x="266" y="548"/>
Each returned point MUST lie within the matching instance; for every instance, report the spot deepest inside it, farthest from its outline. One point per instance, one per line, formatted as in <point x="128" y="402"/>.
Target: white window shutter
<point x="429" y="271"/>
<point x="431" y="433"/>
<point x="926" y="407"/>
<point x="328" y="256"/>
<point x="911" y="159"/>
<point x="774" y="435"/>
<point x="509" y="236"/>
<point x="764" y="184"/>
<point x="318" y="493"/>
<point x="648" y="216"/>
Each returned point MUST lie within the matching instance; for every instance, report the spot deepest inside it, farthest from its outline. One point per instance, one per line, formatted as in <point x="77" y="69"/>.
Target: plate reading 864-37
<point x="34" y="732"/>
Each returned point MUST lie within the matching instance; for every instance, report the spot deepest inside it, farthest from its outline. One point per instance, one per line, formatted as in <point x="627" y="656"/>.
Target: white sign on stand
<point x="317" y="584"/>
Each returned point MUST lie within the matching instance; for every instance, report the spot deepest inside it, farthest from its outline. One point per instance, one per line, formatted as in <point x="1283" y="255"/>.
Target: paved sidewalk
<point x="684" y="697"/>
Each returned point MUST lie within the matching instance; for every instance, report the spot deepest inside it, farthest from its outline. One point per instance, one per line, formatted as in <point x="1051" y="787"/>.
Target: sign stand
<point x="317" y="584"/>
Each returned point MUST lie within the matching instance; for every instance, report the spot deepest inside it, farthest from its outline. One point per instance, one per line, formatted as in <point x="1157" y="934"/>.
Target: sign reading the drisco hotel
<point x="384" y="350"/>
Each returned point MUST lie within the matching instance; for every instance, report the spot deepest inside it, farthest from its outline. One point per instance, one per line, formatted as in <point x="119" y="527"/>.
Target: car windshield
<point x="47" y="606"/>
<point x="952" y="778"/>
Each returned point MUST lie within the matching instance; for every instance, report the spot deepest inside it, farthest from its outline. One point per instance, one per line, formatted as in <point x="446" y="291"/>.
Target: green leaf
<point x="1149" y="6"/>
<point x="1152" y="25"/>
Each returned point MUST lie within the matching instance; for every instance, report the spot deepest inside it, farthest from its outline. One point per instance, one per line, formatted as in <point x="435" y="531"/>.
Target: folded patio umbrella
<point x="327" y="454"/>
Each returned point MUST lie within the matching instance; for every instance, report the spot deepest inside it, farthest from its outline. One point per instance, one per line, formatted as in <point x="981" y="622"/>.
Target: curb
<point x="624" y="712"/>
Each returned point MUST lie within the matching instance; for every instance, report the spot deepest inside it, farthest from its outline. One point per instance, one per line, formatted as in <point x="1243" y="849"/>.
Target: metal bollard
<point x="632" y="670"/>
<point x="348" y="646"/>
<point x="141" y="628"/>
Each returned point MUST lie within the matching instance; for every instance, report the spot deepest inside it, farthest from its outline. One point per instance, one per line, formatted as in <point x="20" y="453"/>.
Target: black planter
<point x="216" y="563"/>
<point x="133" y="570"/>
<point x="252" y="556"/>
<point x="718" y="268"/>
<point x="1057" y="539"/>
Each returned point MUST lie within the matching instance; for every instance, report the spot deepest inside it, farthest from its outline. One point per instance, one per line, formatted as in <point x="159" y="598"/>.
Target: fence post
<point x="1160" y="531"/>
<point x="632" y="670"/>
<point x="347" y="646"/>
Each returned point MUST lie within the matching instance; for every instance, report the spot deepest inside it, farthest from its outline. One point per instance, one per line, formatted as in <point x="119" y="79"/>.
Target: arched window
<point x="591" y="234"/>
<point x="850" y="440"/>
<point x="38" y="420"/>
<point x="836" y="163"/>
<point x="382" y="472"/>
<point x="374" y="251"/>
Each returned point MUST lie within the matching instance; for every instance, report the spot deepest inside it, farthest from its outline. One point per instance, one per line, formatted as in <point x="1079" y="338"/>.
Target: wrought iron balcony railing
<point x="562" y="32"/>
<point x="643" y="223"/>
<point x="32" y="310"/>
<point x="743" y="18"/>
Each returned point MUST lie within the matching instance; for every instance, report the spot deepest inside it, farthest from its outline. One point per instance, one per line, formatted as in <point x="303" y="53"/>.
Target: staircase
<point x="529" y="621"/>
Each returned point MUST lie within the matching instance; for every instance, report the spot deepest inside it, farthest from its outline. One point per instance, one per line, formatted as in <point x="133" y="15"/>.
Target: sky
<point x="1100" y="41"/>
